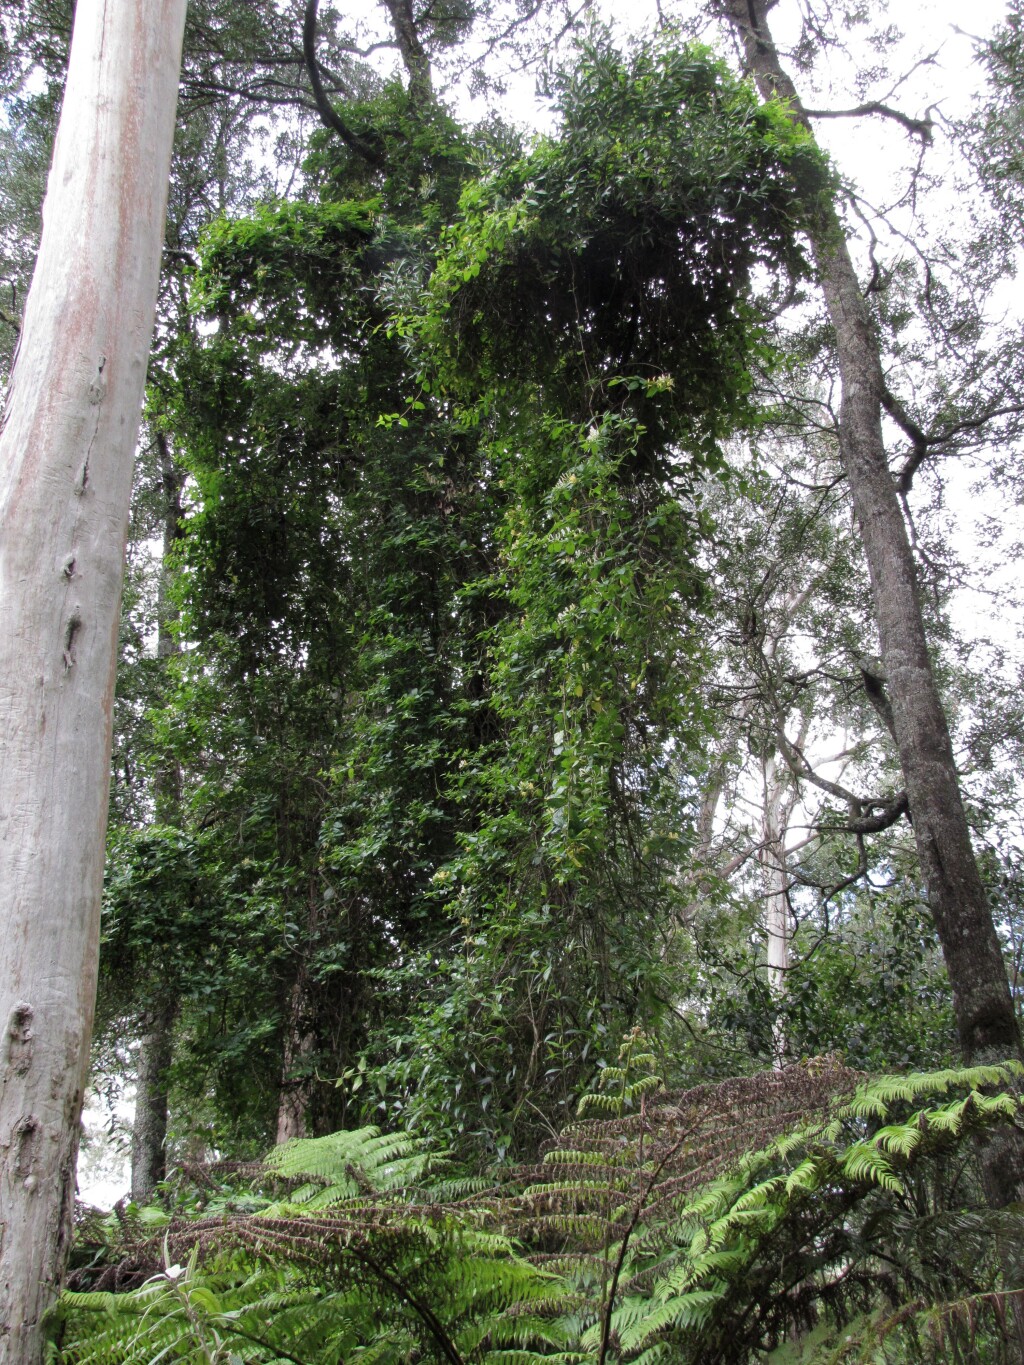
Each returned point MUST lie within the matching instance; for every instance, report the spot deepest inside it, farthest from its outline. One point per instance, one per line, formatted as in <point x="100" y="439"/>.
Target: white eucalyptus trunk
<point x="774" y="824"/>
<point x="66" y="456"/>
<point x="778" y="800"/>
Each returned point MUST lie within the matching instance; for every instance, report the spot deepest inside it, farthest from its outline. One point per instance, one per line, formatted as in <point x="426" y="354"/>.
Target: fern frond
<point x="704" y="1227"/>
<point x="865" y="1162"/>
<point x="349" y="1164"/>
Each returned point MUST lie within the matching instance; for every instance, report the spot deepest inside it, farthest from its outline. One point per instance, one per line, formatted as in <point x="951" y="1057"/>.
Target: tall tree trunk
<point x="778" y="800"/>
<point x="149" y="1128"/>
<point x="293" y="1098"/>
<point x="299" y="1039"/>
<point x="414" y="56"/>
<point x="986" y="1023"/>
<point x="167" y="781"/>
<point x="66" y="454"/>
<point x="156" y="1045"/>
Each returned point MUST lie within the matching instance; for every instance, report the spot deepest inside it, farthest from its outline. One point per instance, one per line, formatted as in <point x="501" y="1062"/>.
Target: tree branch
<point x="874" y="824"/>
<point x="886" y="812"/>
<point x="922" y="442"/>
<point x="328" y="114"/>
<point x="414" y="57"/>
<point x="919" y="440"/>
<point x="918" y="127"/>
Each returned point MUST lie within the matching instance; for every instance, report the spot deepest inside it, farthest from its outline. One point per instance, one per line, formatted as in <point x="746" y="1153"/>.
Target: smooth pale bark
<point x="778" y="800"/>
<point x="66" y="454"/>
<point x="986" y="1023"/>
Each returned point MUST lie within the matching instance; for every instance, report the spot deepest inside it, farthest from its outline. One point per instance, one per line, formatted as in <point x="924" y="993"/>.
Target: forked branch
<point x="329" y="116"/>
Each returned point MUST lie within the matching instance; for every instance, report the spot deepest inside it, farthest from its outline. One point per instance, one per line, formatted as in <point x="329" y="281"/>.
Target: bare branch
<point x="918" y="127"/>
<point x="923" y="442"/>
<point x="886" y="812"/>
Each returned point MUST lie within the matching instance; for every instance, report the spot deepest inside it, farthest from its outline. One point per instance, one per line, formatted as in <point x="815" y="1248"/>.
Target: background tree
<point x="987" y="1023"/>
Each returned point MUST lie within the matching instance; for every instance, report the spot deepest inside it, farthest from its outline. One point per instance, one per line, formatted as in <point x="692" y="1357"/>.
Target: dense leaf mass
<point x="441" y="592"/>
<point x="633" y="236"/>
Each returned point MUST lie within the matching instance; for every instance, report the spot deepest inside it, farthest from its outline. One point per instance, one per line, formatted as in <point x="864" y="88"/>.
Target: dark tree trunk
<point x="414" y="57"/>
<point x="149" y="1130"/>
<point x="167" y="782"/>
<point x="985" y="1018"/>
<point x="156" y="1046"/>
<point x="294" y="1095"/>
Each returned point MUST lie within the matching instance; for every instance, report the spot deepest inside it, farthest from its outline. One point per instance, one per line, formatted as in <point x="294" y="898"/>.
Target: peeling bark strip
<point x="66" y="454"/>
<point x="74" y="625"/>
<point x="27" y="1136"/>
<point x="986" y="1023"/>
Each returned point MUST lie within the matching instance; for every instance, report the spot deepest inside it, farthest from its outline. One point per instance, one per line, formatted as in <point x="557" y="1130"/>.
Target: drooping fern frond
<point x="718" y="1255"/>
<point x="349" y="1165"/>
<point x="351" y="1262"/>
<point x="705" y="1226"/>
<point x="190" y="1313"/>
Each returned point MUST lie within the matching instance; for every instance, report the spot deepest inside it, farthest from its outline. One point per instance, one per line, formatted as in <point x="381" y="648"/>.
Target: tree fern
<point x="349" y="1165"/>
<point x="702" y="1226"/>
<point x="710" y="1227"/>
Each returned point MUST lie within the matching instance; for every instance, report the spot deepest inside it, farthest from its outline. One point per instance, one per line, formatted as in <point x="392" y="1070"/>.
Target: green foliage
<point x="866" y="981"/>
<point x="620" y="1088"/>
<point x="997" y="137"/>
<point x="633" y="234"/>
<point x="348" y="1164"/>
<point x="702" y="1226"/>
<point x="349" y="1263"/>
<point x="442" y="676"/>
<point x="567" y="805"/>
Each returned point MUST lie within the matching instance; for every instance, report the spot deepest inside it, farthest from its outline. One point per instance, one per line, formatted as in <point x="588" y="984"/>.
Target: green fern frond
<point x="569" y="1157"/>
<point x="349" y="1164"/>
<point x="668" y="1224"/>
<point x="804" y="1177"/>
<point x="687" y="1312"/>
<point x="866" y="1163"/>
<point x="899" y="1138"/>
